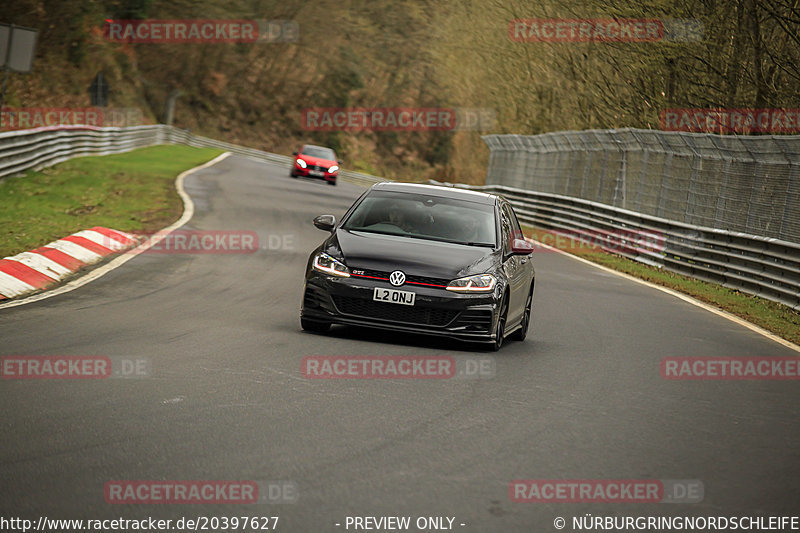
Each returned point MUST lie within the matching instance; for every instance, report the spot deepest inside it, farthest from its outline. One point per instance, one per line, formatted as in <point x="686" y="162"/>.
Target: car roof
<point x="315" y="146"/>
<point x="437" y="190"/>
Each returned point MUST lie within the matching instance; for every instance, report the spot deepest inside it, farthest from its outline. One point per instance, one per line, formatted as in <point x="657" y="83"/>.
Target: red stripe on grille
<point x="370" y="277"/>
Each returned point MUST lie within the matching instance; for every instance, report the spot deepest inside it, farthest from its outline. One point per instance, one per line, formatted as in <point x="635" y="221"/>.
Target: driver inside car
<point x="398" y="217"/>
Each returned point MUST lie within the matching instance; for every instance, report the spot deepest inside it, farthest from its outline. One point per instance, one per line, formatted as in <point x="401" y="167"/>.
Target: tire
<point x="292" y="174"/>
<point x="332" y="182"/>
<point x="501" y="324"/>
<point x="312" y="325"/>
<point x="522" y="332"/>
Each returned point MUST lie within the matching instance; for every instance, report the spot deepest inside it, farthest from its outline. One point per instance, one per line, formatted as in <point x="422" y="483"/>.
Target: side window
<point x="505" y="223"/>
<point x="516" y="230"/>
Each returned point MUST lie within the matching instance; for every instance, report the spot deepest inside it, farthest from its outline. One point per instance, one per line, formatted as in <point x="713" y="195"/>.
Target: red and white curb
<point x="45" y="266"/>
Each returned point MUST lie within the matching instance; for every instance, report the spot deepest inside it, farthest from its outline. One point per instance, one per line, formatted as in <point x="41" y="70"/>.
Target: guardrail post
<point x="620" y="186"/>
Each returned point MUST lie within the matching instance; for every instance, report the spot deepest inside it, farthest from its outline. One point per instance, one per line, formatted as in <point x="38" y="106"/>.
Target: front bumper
<point x="306" y="173"/>
<point x="436" y="311"/>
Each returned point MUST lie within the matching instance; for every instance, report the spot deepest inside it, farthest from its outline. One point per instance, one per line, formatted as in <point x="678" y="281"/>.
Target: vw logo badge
<point x="397" y="278"/>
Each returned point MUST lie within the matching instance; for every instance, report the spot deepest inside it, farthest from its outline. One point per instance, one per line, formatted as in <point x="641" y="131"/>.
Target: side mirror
<point x="294" y="153"/>
<point x="340" y="162"/>
<point x="325" y="222"/>
<point x="521" y="247"/>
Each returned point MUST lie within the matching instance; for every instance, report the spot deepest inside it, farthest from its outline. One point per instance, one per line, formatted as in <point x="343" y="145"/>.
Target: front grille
<point x="317" y="167"/>
<point x="424" y="316"/>
<point x="409" y="279"/>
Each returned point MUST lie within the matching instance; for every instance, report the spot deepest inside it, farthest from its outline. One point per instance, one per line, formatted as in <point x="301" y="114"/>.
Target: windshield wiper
<point x="449" y="241"/>
<point x="364" y="230"/>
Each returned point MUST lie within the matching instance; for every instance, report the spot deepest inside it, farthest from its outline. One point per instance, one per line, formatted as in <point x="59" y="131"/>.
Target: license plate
<point x="316" y="173"/>
<point x="393" y="296"/>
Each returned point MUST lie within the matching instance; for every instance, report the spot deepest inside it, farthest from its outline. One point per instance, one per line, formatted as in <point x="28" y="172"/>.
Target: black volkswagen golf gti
<point x="423" y="259"/>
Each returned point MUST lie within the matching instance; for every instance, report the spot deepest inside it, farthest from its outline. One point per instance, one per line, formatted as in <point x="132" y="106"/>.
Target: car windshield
<point x="422" y="216"/>
<point x="318" y="151"/>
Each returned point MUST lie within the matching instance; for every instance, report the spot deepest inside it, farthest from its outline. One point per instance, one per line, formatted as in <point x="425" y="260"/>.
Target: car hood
<point x="415" y="257"/>
<point x="310" y="159"/>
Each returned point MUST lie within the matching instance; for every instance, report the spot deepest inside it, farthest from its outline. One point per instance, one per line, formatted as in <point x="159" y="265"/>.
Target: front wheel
<point x="332" y="182"/>
<point x="501" y="324"/>
<point x="313" y="325"/>
<point x="522" y="332"/>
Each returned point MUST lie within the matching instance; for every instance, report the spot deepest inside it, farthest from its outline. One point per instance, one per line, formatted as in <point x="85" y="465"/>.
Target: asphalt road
<point x="582" y="398"/>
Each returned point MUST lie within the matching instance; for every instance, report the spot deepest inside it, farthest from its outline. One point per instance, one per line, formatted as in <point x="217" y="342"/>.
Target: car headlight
<point x="327" y="264"/>
<point x="333" y="169"/>
<point x="302" y="163"/>
<point x="479" y="283"/>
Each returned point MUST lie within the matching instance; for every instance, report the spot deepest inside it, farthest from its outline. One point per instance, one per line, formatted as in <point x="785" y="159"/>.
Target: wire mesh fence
<point x="733" y="183"/>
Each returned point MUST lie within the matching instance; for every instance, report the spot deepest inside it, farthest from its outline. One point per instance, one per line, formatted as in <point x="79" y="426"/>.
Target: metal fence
<point x="733" y="183"/>
<point x="33" y="149"/>
<point x="765" y="267"/>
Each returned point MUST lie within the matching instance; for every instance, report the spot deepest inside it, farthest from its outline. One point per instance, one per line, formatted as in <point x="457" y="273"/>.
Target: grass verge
<point x="134" y="192"/>
<point x="772" y="316"/>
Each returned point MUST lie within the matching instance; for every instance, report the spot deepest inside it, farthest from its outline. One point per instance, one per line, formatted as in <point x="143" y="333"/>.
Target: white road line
<point x="188" y="212"/>
<point x="685" y="297"/>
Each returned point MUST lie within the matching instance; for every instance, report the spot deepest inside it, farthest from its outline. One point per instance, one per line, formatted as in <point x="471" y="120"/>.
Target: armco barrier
<point x="38" y="148"/>
<point x="762" y="266"/>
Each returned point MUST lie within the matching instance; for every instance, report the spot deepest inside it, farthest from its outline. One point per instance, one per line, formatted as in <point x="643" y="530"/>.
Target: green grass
<point x="365" y="168"/>
<point x="772" y="316"/>
<point x="134" y="192"/>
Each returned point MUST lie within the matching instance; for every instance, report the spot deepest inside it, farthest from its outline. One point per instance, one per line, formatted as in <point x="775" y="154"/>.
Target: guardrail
<point x="766" y="267"/>
<point x="43" y="147"/>
<point x="38" y="148"/>
<point x="761" y="266"/>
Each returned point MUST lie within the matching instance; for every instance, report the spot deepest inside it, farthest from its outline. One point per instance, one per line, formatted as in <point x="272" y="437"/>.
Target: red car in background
<point x="316" y="162"/>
